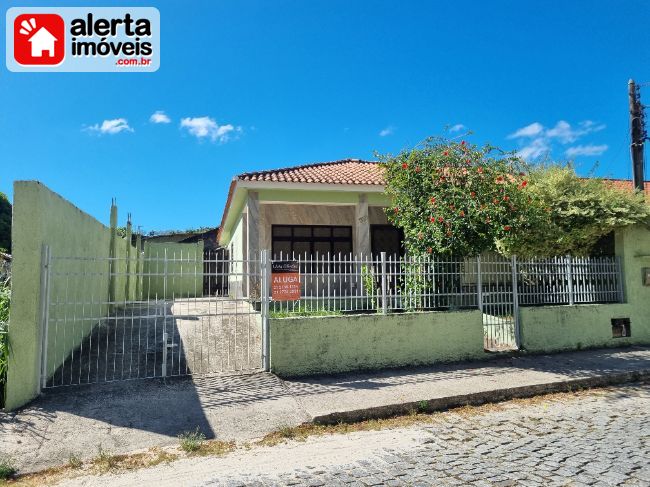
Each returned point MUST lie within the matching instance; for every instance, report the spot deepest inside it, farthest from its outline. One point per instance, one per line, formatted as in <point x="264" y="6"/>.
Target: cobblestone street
<point x="599" y="438"/>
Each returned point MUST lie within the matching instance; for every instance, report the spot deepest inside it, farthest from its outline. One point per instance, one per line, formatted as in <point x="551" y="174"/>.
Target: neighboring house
<point x="209" y="237"/>
<point x="42" y="41"/>
<point x="329" y="207"/>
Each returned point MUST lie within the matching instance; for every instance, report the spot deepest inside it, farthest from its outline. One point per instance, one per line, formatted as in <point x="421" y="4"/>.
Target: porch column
<point x="362" y="227"/>
<point x="253" y="236"/>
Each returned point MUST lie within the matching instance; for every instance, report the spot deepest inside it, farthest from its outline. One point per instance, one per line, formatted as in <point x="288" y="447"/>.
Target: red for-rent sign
<point x="285" y="280"/>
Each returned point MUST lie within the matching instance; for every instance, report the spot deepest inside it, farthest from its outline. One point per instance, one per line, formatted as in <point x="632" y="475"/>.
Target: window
<point x="310" y="240"/>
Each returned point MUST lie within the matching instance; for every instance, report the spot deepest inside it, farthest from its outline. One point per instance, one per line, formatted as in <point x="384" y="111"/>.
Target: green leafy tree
<point x="456" y="198"/>
<point x="580" y="211"/>
<point x="5" y="223"/>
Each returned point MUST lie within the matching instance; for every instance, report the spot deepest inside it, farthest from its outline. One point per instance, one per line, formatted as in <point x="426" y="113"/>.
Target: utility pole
<point x="638" y="135"/>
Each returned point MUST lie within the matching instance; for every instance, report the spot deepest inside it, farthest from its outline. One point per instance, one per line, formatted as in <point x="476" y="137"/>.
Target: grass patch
<point x="191" y="441"/>
<point x="7" y="468"/>
<point x="304" y="313"/>
<point x="74" y="461"/>
<point x="216" y="448"/>
<point x="105" y="460"/>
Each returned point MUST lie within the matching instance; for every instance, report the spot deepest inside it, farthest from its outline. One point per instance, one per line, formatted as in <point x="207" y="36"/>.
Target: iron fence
<point x="383" y="283"/>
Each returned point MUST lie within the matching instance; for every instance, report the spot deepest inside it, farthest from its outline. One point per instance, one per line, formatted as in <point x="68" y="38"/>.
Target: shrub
<point x="191" y="441"/>
<point x="5" y="298"/>
<point x="456" y="198"/>
<point x="579" y="211"/>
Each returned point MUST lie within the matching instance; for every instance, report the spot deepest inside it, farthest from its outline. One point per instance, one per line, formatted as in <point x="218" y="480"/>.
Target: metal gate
<point x="147" y="316"/>
<point x="498" y="301"/>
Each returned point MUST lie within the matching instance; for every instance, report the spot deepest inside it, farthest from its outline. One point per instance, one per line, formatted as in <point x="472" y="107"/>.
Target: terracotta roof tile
<point x="627" y="184"/>
<point x="345" y="171"/>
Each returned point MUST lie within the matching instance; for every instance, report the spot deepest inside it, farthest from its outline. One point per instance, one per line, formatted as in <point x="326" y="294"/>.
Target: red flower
<point x="405" y="166"/>
<point x="500" y="179"/>
<point x="507" y="228"/>
<point x="524" y="184"/>
<point x="480" y="170"/>
<point x="395" y="210"/>
<point x="462" y="142"/>
<point x="446" y="153"/>
<point x="472" y="194"/>
<point x="441" y="219"/>
<point x="432" y="200"/>
<point x="432" y="219"/>
<point x="506" y="198"/>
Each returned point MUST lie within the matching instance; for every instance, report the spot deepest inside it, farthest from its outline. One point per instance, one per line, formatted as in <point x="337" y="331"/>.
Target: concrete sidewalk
<point x="122" y="417"/>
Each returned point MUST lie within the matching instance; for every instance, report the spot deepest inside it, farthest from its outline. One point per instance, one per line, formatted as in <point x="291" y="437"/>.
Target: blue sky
<point x="250" y="85"/>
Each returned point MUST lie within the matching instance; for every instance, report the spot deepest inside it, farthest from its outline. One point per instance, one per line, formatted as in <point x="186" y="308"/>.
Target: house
<point x="42" y="41"/>
<point x="328" y="207"/>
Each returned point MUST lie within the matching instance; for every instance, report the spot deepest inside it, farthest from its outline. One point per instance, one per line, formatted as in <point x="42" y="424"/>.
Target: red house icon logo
<point x="39" y="39"/>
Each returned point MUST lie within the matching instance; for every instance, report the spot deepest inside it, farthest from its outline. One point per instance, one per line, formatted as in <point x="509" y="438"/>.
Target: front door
<point x="387" y="238"/>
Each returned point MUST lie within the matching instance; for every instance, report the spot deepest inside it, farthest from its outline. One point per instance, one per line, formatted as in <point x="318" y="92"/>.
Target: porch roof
<point x="345" y="175"/>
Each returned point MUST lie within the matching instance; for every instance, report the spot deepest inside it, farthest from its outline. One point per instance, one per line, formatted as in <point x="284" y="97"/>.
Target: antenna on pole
<point x="638" y="134"/>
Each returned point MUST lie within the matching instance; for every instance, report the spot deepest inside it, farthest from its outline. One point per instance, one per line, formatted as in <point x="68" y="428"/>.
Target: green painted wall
<point x="552" y="328"/>
<point x="41" y="216"/>
<point x="184" y="270"/>
<point x="307" y="346"/>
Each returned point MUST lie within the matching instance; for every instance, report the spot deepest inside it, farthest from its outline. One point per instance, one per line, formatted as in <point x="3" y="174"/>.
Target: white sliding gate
<point x="112" y="319"/>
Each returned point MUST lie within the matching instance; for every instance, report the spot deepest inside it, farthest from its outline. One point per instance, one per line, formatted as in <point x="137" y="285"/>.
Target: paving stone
<point x="598" y="439"/>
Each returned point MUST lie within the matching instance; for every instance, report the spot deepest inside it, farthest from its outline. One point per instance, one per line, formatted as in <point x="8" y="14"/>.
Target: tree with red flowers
<point x="456" y="198"/>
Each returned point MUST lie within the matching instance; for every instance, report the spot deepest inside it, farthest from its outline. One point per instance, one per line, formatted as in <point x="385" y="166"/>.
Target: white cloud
<point x="206" y="127"/>
<point x="114" y="126"/>
<point x="538" y="140"/>
<point x="586" y="150"/>
<point x="457" y="128"/>
<point x="535" y="149"/>
<point x="159" y="117"/>
<point x="390" y="130"/>
<point x="531" y="130"/>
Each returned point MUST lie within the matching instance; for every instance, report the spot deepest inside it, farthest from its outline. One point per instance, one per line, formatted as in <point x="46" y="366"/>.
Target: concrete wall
<point x="184" y="270"/>
<point x="41" y="216"/>
<point x="553" y="328"/>
<point x="307" y="346"/>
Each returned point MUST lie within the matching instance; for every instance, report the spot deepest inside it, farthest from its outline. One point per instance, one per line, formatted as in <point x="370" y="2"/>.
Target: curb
<point x="478" y="398"/>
